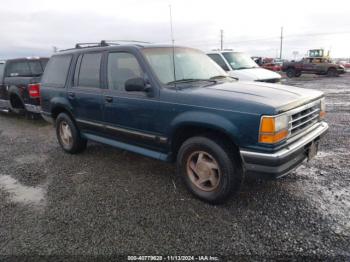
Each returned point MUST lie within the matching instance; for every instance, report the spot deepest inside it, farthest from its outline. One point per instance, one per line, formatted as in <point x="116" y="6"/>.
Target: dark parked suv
<point x="216" y="128"/>
<point x="19" y="84"/>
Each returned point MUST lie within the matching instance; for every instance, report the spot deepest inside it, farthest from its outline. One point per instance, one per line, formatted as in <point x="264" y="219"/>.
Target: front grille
<point x="304" y="118"/>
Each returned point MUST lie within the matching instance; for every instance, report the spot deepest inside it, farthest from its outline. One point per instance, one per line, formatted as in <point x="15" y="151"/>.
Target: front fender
<point x="205" y="120"/>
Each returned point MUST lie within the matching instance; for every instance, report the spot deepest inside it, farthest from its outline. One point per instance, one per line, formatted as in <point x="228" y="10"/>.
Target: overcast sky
<point x="33" y="27"/>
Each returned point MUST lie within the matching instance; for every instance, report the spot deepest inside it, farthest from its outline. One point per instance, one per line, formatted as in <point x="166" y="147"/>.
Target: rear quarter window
<point x="56" y="71"/>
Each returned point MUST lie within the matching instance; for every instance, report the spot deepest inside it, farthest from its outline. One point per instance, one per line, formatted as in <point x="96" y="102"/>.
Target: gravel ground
<point x="108" y="202"/>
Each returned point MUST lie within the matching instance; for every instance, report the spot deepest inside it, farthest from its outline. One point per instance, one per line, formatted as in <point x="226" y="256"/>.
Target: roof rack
<point x="87" y="45"/>
<point x="108" y="43"/>
<point x="105" y="43"/>
<point x="117" y="42"/>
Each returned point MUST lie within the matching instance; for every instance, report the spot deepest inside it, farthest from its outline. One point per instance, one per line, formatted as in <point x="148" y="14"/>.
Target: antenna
<point x="221" y="40"/>
<point x="173" y="42"/>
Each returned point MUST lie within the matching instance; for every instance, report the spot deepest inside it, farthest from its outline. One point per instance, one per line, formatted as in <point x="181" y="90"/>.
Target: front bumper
<point x="285" y="160"/>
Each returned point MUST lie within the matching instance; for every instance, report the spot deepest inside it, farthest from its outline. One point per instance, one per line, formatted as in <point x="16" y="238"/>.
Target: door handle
<point x="71" y="95"/>
<point x="109" y="99"/>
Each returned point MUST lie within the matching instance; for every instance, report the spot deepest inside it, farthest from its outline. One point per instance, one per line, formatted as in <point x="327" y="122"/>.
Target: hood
<point x="254" y="74"/>
<point x="252" y="97"/>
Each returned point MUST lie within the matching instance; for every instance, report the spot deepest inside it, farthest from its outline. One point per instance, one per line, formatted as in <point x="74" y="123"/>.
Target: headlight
<point x="273" y="129"/>
<point x="323" y="108"/>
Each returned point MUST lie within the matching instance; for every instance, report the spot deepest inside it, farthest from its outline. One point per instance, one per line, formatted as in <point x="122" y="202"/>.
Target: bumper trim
<point x="323" y="126"/>
<point x="33" y="108"/>
<point x="285" y="160"/>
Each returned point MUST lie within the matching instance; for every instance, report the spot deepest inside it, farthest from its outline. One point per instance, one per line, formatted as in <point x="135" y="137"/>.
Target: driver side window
<point x="122" y="67"/>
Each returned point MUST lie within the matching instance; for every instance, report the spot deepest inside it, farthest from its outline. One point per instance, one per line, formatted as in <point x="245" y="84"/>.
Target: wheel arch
<point x="60" y="105"/>
<point x="16" y="102"/>
<point x="196" y="124"/>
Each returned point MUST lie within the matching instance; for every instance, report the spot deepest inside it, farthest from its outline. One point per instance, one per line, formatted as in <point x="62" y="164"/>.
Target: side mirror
<point x="135" y="84"/>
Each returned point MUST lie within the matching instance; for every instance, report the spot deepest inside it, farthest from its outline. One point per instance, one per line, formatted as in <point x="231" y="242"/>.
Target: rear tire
<point x="68" y="135"/>
<point x="209" y="169"/>
<point x="16" y="105"/>
<point x="290" y="72"/>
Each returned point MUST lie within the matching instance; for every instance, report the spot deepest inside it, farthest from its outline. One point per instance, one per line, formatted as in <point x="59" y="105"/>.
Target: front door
<point x="85" y="94"/>
<point x="129" y="116"/>
<point x="308" y="65"/>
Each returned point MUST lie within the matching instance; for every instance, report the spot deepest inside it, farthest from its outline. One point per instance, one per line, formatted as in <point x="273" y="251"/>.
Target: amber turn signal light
<point x="273" y="129"/>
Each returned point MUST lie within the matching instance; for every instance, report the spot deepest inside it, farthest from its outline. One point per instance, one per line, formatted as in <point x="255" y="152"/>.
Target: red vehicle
<point x="313" y="65"/>
<point x="346" y="64"/>
<point x="272" y="66"/>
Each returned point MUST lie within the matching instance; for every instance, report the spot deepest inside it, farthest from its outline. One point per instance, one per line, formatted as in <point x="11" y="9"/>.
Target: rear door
<point x="85" y="94"/>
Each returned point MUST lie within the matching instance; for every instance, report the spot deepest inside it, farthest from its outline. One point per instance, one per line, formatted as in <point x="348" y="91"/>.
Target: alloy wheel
<point x="203" y="171"/>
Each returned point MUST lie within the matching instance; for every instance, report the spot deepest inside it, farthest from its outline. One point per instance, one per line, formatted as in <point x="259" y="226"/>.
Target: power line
<point x="275" y="38"/>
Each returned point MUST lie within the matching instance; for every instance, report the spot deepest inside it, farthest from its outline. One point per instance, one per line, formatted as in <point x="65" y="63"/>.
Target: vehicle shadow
<point x="29" y="117"/>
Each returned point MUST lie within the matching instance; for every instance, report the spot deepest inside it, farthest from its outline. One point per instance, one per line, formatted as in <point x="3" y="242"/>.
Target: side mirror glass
<point x="135" y="84"/>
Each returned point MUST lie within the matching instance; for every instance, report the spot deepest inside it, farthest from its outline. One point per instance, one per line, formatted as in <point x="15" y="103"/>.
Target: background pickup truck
<point x="19" y="84"/>
<point x="311" y="65"/>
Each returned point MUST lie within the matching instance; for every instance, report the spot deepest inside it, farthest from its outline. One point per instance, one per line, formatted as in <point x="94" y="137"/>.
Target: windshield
<point x="239" y="60"/>
<point x="190" y="64"/>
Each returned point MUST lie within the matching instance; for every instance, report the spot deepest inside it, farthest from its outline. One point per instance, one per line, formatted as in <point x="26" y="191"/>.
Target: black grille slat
<point x="303" y="119"/>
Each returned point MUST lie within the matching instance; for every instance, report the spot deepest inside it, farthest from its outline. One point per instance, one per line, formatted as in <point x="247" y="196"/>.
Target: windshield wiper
<point x="243" y="67"/>
<point x="188" y="80"/>
<point x="223" y="76"/>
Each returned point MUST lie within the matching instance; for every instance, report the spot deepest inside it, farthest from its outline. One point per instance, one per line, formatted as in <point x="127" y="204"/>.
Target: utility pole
<point x="281" y="42"/>
<point x="221" y="39"/>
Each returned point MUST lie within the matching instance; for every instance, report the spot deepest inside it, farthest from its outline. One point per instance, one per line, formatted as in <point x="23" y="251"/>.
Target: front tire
<point x="332" y="72"/>
<point x="68" y="135"/>
<point x="209" y="169"/>
<point x="17" y="105"/>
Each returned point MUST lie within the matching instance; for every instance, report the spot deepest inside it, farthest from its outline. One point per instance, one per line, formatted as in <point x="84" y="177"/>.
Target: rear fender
<point x="60" y="102"/>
